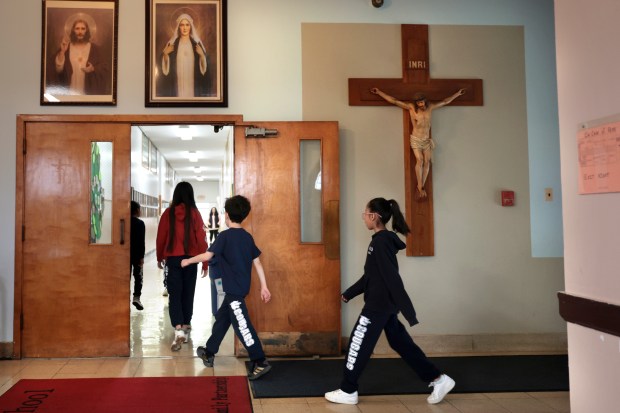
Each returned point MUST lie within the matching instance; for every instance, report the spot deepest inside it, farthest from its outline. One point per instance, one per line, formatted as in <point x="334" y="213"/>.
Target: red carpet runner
<point x="124" y="395"/>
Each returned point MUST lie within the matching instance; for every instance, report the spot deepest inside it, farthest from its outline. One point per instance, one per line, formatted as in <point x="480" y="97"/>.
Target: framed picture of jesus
<point x="78" y="58"/>
<point x="186" y="60"/>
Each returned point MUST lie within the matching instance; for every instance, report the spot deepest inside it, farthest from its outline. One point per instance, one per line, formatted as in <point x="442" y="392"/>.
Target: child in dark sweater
<point x="235" y="252"/>
<point x="384" y="297"/>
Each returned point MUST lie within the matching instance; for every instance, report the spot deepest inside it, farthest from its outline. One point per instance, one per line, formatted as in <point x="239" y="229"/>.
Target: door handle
<point x="122" y="232"/>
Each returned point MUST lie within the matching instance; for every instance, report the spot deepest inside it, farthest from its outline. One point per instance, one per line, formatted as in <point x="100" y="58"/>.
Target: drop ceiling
<point x="210" y="148"/>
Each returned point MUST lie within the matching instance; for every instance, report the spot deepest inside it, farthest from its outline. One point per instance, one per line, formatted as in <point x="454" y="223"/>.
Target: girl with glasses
<point x="384" y="297"/>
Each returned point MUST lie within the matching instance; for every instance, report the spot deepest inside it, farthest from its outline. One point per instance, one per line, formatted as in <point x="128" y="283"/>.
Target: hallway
<point x="151" y="336"/>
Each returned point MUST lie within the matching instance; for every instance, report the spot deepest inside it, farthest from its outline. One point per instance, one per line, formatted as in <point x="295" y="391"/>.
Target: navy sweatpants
<point x="181" y="283"/>
<point x="364" y="337"/>
<point x="234" y="311"/>
<point x="136" y="270"/>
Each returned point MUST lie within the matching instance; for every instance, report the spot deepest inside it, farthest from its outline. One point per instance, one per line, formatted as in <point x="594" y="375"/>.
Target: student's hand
<point x="160" y="264"/>
<point x="344" y="299"/>
<point x="265" y="295"/>
<point x="184" y="263"/>
<point x="205" y="270"/>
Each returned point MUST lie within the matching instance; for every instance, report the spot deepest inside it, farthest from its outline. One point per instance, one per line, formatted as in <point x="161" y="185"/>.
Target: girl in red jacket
<point x="180" y="235"/>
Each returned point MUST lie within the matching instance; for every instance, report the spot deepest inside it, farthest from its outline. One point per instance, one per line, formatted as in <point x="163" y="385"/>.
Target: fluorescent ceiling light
<point x="185" y="133"/>
<point x="192" y="156"/>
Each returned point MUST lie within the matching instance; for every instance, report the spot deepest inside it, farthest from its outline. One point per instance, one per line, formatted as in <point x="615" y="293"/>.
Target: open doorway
<point x="162" y="156"/>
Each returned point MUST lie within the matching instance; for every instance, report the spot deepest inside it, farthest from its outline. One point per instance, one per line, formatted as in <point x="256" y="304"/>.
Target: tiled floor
<point x="151" y="335"/>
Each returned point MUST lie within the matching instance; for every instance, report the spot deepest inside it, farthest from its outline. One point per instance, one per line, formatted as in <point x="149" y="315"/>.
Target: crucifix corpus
<point x="418" y="95"/>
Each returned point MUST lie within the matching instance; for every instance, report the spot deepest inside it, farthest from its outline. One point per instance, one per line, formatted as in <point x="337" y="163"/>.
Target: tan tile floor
<point x="151" y="335"/>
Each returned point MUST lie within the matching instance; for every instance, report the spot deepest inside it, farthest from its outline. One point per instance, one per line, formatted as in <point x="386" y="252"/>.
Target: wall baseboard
<point x="454" y="344"/>
<point x="481" y="344"/>
<point x="6" y="350"/>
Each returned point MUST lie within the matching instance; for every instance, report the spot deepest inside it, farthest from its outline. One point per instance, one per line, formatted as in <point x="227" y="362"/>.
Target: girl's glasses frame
<point x="370" y="213"/>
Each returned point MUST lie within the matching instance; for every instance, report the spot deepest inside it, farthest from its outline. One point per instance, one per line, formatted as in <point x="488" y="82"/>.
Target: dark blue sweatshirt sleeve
<point x="354" y="290"/>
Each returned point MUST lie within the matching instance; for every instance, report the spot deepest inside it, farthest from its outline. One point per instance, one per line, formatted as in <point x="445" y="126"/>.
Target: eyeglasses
<point x="370" y="213"/>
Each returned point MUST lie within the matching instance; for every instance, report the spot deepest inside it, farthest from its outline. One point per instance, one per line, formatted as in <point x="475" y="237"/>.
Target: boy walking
<point x="235" y="252"/>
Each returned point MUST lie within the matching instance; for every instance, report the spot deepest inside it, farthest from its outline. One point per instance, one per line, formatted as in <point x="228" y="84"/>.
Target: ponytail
<point x="398" y="220"/>
<point x="389" y="210"/>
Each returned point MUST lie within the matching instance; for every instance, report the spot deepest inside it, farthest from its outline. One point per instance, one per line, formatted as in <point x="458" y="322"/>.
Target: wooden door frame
<point x="22" y="121"/>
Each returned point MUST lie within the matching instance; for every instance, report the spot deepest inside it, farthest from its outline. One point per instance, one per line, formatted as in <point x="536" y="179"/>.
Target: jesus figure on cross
<point x="421" y="142"/>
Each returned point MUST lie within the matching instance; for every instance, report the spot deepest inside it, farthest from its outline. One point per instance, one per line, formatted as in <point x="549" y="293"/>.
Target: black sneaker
<point x="136" y="303"/>
<point x="207" y="359"/>
<point x="258" y="370"/>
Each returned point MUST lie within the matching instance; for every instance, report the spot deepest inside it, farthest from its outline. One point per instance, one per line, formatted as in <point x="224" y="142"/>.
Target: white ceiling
<point x="209" y="146"/>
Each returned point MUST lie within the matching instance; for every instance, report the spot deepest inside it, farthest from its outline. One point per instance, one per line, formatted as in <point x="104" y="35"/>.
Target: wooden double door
<point x="72" y="288"/>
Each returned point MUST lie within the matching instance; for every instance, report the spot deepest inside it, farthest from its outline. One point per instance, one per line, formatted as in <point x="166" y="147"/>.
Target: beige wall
<point x="265" y="83"/>
<point x="481" y="277"/>
<point x="588" y="89"/>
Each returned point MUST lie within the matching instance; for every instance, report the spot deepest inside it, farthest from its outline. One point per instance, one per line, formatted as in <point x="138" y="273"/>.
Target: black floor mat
<point x="480" y="374"/>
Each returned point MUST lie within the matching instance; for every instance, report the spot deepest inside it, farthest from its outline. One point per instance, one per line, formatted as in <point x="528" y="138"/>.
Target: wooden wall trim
<point x="590" y="313"/>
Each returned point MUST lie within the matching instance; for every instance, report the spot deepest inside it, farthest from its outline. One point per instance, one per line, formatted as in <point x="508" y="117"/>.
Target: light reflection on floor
<point x="151" y="332"/>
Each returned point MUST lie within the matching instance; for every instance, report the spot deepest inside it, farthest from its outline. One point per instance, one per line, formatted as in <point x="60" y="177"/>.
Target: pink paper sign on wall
<point x="599" y="158"/>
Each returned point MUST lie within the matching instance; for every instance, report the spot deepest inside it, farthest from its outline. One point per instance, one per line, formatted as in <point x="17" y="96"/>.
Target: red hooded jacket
<point x="197" y="243"/>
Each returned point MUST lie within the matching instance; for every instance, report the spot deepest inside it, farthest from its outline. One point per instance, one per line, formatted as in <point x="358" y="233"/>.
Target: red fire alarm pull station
<point x="508" y="198"/>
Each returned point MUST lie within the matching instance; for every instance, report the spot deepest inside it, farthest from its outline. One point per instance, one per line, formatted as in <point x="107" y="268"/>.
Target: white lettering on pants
<point x="243" y="324"/>
<point x="356" y="341"/>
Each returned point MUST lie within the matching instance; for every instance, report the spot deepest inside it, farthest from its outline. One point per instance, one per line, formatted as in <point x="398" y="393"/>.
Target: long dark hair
<point x="217" y="216"/>
<point x="183" y="194"/>
<point x="389" y="210"/>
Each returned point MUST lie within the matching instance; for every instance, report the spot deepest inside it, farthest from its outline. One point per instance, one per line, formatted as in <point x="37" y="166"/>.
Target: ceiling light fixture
<point x="192" y="156"/>
<point x="185" y="133"/>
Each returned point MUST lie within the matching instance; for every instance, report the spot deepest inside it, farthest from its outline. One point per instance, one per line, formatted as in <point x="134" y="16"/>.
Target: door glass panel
<point x="101" y="192"/>
<point x="310" y="190"/>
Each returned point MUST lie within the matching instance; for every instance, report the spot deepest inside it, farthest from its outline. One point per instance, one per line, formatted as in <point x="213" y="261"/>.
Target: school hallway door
<point x="291" y="176"/>
<point x="74" y="241"/>
<point x="71" y="294"/>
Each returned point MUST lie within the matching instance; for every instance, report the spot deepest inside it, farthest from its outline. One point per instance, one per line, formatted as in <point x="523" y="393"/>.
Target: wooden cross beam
<point x="416" y="78"/>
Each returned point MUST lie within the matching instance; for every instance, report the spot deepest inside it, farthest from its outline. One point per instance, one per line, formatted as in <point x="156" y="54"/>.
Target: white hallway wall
<point x="588" y="89"/>
<point x="264" y="58"/>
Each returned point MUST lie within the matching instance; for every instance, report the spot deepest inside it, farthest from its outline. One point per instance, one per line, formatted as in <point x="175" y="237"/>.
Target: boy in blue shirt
<point x="235" y="252"/>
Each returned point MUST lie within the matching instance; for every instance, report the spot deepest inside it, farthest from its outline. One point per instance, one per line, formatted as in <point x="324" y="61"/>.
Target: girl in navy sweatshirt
<point x="384" y="297"/>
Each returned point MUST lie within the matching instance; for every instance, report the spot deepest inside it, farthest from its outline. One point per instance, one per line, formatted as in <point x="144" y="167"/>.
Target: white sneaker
<point x="442" y="386"/>
<point x="179" y="339"/>
<point x="338" y="396"/>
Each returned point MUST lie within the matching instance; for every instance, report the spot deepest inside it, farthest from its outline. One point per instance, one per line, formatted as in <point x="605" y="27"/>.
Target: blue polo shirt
<point x="235" y="251"/>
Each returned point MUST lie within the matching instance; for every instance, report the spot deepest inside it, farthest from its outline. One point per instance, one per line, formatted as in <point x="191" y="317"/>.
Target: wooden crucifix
<point x="416" y="79"/>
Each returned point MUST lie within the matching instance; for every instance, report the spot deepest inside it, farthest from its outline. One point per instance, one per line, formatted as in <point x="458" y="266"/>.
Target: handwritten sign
<point x="599" y="159"/>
